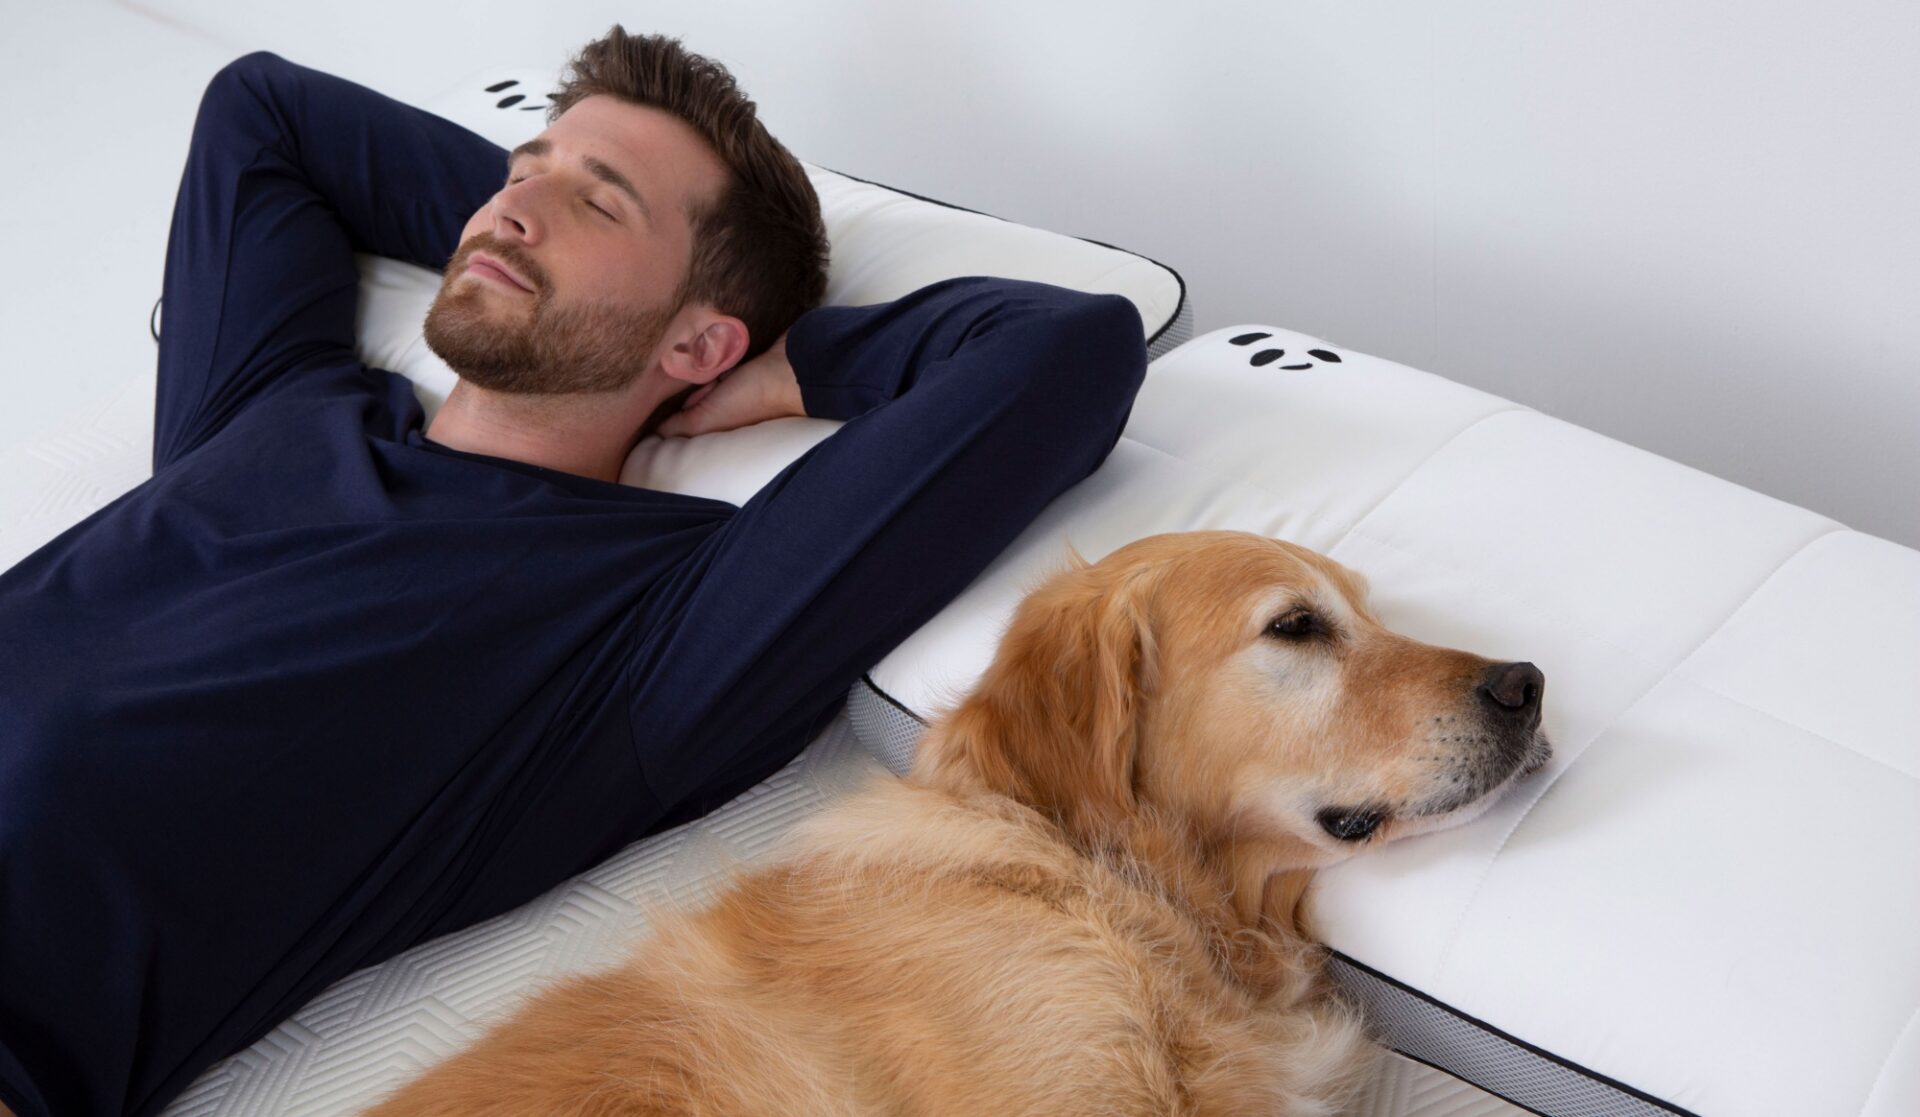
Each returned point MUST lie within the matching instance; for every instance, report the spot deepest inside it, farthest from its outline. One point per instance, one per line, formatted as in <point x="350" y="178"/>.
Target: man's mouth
<point x="487" y="268"/>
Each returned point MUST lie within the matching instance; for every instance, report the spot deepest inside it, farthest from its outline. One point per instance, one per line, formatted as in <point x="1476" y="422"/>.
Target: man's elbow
<point x="1100" y="352"/>
<point x="1058" y="346"/>
<point x="1114" y="326"/>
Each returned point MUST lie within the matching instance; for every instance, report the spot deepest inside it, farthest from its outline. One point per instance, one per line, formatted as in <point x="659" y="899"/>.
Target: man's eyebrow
<point x="594" y="167"/>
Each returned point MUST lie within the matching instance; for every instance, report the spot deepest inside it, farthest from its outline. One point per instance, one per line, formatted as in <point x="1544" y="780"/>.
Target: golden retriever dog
<point x="1086" y="896"/>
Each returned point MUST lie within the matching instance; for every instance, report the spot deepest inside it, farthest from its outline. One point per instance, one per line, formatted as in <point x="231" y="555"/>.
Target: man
<point x="328" y="685"/>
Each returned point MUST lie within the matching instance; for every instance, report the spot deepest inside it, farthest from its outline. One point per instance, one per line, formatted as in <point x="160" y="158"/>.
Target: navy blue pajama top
<point x="322" y="689"/>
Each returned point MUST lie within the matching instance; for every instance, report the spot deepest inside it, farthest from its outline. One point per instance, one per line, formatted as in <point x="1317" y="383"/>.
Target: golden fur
<point x="1084" y="899"/>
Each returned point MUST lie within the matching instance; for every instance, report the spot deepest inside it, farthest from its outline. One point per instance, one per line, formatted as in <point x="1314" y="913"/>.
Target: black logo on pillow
<point x="512" y="100"/>
<point x="1268" y="356"/>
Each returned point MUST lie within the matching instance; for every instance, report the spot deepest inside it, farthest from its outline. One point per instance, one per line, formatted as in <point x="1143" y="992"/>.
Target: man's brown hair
<point x="760" y="252"/>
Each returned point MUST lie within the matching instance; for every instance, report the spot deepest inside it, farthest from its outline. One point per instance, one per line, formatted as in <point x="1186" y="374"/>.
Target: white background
<point x="1693" y="227"/>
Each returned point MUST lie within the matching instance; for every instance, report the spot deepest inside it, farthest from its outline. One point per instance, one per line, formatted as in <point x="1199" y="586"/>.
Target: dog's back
<point x="924" y="953"/>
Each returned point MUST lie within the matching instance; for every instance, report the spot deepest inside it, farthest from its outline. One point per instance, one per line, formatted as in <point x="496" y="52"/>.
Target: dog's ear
<point x="1054" y="722"/>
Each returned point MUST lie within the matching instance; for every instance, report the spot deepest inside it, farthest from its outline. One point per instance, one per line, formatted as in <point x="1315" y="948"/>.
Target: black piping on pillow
<point x="1178" y="306"/>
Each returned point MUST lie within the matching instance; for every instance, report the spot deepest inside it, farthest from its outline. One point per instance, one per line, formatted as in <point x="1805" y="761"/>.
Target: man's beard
<point x="544" y="349"/>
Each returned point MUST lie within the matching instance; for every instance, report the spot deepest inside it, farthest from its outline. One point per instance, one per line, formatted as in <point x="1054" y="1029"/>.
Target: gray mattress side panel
<point x="888" y="730"/>
<point x="1442" y="1037"/>
<point x="1179" y="331"/>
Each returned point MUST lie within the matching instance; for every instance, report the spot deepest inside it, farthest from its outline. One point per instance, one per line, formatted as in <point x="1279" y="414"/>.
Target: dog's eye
<point x="1351" y="824"/>
<point x="1300" y="624"/>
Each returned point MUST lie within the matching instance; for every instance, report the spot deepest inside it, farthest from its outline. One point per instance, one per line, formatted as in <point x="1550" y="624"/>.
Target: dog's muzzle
<point x="1510" y="740"/>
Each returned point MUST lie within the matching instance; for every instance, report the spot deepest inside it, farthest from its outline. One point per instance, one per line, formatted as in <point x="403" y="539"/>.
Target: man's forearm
<point x="850" y="360"/>
<point x="291" y="171"/>
<point x="402" y="180"/>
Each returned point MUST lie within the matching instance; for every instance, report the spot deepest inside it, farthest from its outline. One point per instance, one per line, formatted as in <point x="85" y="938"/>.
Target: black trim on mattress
<point x="1177" y="277"/>
<point x="884" y="696"/>
<point x="1489" y="1029"/>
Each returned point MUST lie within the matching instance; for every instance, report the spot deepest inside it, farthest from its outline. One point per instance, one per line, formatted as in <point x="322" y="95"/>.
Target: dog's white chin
<point x="1539" y="752"/>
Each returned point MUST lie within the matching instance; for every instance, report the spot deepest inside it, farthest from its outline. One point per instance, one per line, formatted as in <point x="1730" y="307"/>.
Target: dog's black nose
<point x="1513" y="686"/>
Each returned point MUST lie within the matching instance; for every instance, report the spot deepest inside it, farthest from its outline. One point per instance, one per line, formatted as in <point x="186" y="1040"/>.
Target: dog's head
<point x="1242" y="685"/>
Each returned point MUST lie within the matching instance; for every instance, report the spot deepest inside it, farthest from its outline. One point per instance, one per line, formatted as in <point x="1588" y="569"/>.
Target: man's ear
<point x="702" y="344"/>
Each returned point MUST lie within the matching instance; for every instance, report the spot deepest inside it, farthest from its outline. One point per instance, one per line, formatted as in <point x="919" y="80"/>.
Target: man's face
<point x="596" y="265"/>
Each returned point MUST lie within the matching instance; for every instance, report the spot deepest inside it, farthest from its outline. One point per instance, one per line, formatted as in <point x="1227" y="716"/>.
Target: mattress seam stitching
<point x="1791" y="724"/>
<point x="1423" y="463"/>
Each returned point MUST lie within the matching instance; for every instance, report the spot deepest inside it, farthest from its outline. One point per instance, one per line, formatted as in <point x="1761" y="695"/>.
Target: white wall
<point x="1693" y="227"/>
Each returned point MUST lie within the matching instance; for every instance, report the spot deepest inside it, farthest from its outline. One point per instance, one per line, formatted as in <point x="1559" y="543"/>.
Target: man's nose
<point x="517" y="215"/>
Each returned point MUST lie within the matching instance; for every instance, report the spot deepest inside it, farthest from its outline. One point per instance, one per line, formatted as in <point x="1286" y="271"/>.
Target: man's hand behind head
<point x="752" y="392"/>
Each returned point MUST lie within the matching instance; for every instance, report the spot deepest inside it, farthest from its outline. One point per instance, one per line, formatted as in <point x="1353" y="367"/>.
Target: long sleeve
<point x="973" y="402"/>
<point x="290" y="172"/>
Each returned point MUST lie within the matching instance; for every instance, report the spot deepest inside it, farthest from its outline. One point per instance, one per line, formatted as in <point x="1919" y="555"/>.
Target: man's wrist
<point x="790" y="401"/>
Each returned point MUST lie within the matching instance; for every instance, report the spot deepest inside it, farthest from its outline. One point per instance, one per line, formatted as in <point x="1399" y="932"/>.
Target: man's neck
<point x="587" y="435"/>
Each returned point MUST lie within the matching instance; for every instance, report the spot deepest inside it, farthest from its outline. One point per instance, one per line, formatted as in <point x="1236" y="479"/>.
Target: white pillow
<point x="885" y="244"/>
